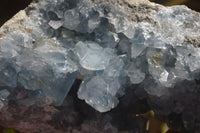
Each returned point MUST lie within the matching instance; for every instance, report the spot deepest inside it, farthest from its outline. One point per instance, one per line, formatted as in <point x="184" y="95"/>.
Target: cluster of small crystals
<point x="105" y="47"/>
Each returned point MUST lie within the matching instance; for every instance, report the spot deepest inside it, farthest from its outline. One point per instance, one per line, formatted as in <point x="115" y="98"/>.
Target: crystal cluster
<point x="110" y="46"/>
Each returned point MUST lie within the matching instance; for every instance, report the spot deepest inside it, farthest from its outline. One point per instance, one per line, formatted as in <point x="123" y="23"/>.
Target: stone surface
<point x="114" y="45"/>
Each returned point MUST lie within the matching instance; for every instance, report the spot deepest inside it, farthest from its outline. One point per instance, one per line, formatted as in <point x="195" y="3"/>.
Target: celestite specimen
<point x="110" y="45"/>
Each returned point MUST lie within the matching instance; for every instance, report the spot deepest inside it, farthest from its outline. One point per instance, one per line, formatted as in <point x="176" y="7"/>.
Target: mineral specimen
<point x="113" y="45"/>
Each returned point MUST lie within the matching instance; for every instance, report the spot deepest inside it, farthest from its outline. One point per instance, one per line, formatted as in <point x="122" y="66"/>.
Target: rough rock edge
<point x="17" y="21"/>
<point x="134" y="6"/>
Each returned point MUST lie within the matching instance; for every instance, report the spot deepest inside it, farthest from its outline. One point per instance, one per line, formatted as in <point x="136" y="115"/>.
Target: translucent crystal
<point x="137" y="49"/>
<point x="163" y="76"/>
<point x="9" y="47"/>
<point x="120" y="23"/>
<point x="100" y="93"/>
<point x="92" y="56"/>
<point x="37" y="74"/>
<point x="92" y="24"/>
<point x="130" y="32"/>
<point x="8" y="73"/>
<point x="55" y="24"/>
<point x="71" y="19"/>
<point x="161" y="63"/>
<point x="106" y="39"/>
<point x="4" y="94"/>
<point x="114" y="68"/>
<point x="55" y="55"/>
<point x="136" y="75"/>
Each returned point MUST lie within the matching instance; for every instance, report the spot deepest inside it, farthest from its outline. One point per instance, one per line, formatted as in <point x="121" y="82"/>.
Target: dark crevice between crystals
<point x="75" y="112"/>
<point x="181" y="108"/>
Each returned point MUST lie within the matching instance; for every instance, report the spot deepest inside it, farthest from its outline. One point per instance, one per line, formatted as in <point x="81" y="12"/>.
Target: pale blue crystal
<point x="4" y="94"/>
<point x="71" y="19"/>
<point x="92" y="56"/>
<point x="99" y="93"/>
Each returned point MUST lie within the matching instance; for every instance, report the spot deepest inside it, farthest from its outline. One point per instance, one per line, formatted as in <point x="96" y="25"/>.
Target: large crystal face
<point x="92" y="56"/>
<point x="110" y="46"/>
